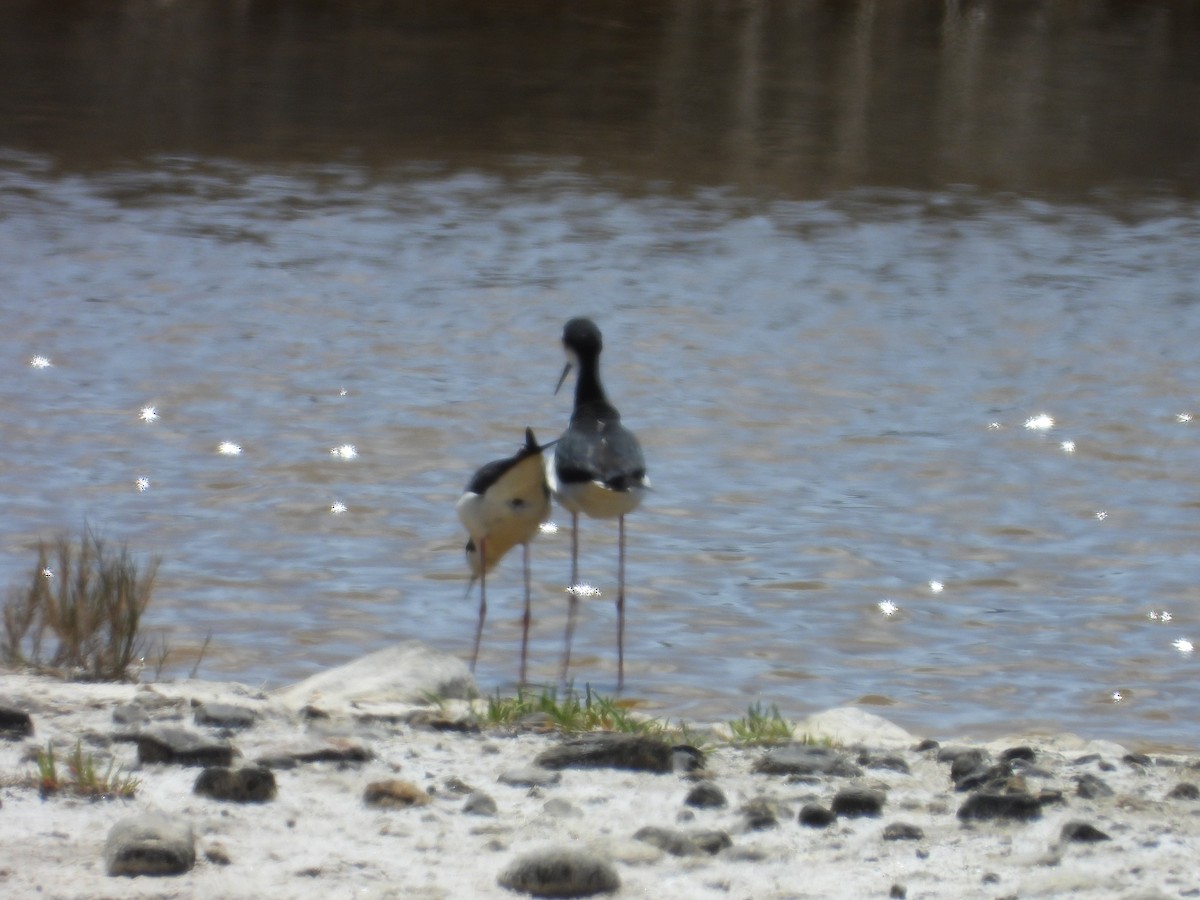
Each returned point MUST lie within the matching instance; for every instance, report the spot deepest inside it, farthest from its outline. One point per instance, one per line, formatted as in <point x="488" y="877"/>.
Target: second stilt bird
<point x="503" y="505"/>
<point x="598" y="468"/>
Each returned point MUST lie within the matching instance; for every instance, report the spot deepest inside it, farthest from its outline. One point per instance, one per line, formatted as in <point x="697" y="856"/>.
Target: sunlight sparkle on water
<point x="1041" y="422"/>
<point x="1163" y="616"/>
<point x="1117" y="697"/>
<point x="345" y="451"/>
<point x="229" y="448"/>
<point x="143" y="483"/>
<point x="148" y="414"/>
<point x="337" y="507"/>
<point x="47" y="573"/>
<point x="1068" y="446"/>
<point x="584" y="590"/>
<point x="1101" y="515"/>
<point x="40" y="362"/>
<point x="936" y="586"/>
<point x="1183" y="417"/>
<point x="548" y="528"/>
<point x="888" y="608"/>
<point x="1183" y="645"/>
<point x="994" y="426"/>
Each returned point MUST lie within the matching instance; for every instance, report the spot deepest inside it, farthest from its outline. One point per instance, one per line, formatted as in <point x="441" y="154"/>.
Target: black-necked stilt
<point x="598" y="468"/>
<point x="503" y="505"/>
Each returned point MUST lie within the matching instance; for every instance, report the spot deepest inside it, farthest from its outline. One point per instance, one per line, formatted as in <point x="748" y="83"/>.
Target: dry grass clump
<point x="80" y="613"/>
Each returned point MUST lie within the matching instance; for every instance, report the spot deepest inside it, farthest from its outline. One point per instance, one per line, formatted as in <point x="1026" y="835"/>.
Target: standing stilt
<point x="598" y="469"/>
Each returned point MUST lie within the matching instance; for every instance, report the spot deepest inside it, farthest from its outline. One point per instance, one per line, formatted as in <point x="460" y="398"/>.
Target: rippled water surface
<point x="922" y="445"/>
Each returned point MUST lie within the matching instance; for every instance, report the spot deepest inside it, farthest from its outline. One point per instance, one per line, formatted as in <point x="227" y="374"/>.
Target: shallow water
<point x="832" y="382"/>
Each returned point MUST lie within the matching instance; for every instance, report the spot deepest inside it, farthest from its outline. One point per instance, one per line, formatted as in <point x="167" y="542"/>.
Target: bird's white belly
<point x="593" y="499"/>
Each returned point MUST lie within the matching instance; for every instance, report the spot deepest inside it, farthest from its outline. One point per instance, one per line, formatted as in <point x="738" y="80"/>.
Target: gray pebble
<point x="150" y="844"/>
<point x="802" y="759"/>
<point x="903" y="831"/>
<point x="180" y="747"/>
<point x="224" y="715"/>
<point x="480" y="804"/>
<point x="560" y="872"/>
<point x="1019" y="806"/>
<point x="250" y="784"/>
<point x="854" y="802"/>
<point x="621" y="751"/>
<point x="814" y="815"/>
<point x="706" y="795"/>
<point x="1083" y="833"/>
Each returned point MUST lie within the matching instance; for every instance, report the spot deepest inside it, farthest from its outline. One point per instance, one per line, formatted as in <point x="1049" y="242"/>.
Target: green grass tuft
<point x="82" y="778"/>
<point x="758" y="728"/>
<point x="571" y="712"/>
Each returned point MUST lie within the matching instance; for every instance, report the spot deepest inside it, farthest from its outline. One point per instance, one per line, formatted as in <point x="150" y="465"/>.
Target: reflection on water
<point x="897" y="297"/>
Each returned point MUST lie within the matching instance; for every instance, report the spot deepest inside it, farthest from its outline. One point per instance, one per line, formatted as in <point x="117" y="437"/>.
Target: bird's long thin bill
<point x="562" y="377"/>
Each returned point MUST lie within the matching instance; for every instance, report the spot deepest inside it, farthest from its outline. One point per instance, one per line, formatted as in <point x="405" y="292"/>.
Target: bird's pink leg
<point x="573" y="607"/>
<point x="482" y="601"/>
<point x="620" y="602"/>
<point x="525" y="619"/>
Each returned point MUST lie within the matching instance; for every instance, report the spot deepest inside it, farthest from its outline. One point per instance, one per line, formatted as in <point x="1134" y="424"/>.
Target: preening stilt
<point x="503" y="505"/>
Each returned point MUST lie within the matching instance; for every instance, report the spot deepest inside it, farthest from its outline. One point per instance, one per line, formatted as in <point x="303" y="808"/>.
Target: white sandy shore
<point x="319" y="840"/>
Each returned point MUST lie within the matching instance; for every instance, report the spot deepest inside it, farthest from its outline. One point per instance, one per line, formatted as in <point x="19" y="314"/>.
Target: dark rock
<point x="150" y="844"/>
<point x="1025" y="754"/>
<point x="1137" y="759"/>
<point x="990" y="779"/>
<point x="1091" y="787"/>
<point x="684" y="843"/>
<point x="854" y="802"/>
<point x="224" y="715"/>
<point x="530" y="776"/>
<point x="1083" y="833"/>
<point x="760" y="814"/>
<point x="14" y="724"/>
<point x="620" y="751"/>
<point x="480" y="804"/>
<point x="1184" y="791"/>
<point x="903" y="831"/>
<point x="814" y="815"/>
<point x="898" y="892"/>
<point x="394" y="794"/>
<point x="1022" y="807"/>
<point x="706" y="795"/>
<point x="250" y="784"/>
<point x="968" y="767"/>
<point x="802" y="759"/>
<point x="560" y="872"/>
<point x="926" y="745"/>
<point x="180" y="747"/>
<point x="891" y="763"/>
<point x="342" y="751"/>
<point x="456" y="785"/>
<point x="951" y="754"/>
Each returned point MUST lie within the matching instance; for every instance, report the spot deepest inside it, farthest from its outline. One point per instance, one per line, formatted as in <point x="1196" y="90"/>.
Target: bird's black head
<point x="582" y="337"/>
